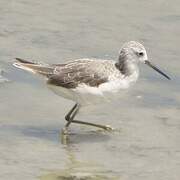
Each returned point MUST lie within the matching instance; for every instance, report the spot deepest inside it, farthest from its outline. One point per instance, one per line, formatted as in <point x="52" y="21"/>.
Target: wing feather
<point x="77" y="72"/>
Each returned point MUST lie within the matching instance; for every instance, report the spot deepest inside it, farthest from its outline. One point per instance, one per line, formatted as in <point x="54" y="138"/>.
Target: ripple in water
<point x="2" y="79"/>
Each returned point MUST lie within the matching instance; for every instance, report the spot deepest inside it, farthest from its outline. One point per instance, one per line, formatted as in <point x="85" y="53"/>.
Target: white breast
<point x="105" y="92"/>
<point x="84" y="94"/>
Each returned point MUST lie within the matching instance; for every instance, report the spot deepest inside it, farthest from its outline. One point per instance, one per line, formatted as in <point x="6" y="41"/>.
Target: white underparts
<point x="84" y="94"/>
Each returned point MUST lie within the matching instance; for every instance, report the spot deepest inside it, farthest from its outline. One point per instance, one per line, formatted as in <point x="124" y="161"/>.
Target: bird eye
<point x="140" y="53"/>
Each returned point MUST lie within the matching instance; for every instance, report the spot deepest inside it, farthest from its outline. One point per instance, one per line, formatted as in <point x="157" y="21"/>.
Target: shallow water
<point x="146" y="142"/>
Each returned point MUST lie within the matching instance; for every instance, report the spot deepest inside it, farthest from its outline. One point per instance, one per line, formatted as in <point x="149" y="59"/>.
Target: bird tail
<point x="33" y="67"/>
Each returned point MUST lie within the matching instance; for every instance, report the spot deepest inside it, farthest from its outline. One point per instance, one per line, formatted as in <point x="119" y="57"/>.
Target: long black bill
<point x="156" y="69"/>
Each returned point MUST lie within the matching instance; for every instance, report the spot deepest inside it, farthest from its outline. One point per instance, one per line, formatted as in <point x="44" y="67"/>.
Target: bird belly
<point x="87" y="95"/>
<point x="102" y="94"/>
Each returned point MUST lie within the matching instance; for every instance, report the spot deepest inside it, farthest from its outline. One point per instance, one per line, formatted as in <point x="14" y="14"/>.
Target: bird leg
<point x="105" y="127"/>
<point x="69" y="117"/>
<point x="72" y="113"/>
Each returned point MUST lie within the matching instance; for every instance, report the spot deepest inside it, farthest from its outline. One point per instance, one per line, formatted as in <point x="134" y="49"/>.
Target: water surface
<point x="146" y="142"/>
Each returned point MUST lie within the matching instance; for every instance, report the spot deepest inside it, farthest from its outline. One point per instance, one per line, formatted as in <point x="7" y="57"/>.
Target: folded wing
<point x="75" y="73"/>
<point x="68" y="75"/>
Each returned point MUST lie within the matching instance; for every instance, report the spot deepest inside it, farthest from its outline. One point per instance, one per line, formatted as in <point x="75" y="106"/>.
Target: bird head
<point x="135" y="52"/>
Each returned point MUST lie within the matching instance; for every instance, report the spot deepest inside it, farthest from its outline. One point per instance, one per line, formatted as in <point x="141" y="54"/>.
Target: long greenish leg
<point x="69" y="118"/>
<point x="68" y="115"/>
<point x="72" y="113"/>
<point x="105" y="127"/>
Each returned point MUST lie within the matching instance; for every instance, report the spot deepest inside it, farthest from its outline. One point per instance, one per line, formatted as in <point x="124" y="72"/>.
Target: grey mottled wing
<point x="70" y="75"/>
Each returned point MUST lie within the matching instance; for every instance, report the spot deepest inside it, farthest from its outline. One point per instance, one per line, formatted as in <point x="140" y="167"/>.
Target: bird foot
<point x="65" y="131"/>
<point x="108" y="128"/>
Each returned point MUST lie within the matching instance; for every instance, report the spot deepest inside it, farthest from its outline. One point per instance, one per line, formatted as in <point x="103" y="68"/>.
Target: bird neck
<point x="127" y="67"/>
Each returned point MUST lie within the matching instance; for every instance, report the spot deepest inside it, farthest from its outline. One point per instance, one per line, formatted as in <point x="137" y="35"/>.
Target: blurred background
<point x="146" y="141"/>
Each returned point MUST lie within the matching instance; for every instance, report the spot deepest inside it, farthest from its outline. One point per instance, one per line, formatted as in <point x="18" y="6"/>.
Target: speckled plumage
<point x="92" y="72"/>
<point x="83" y="80"/>
<point x="91" y="81"/>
